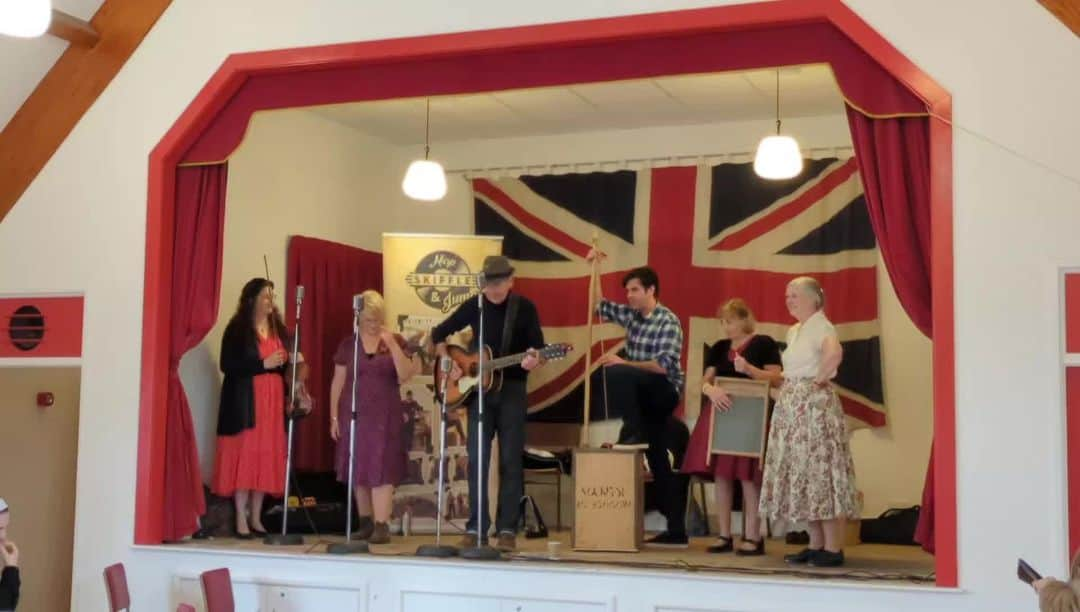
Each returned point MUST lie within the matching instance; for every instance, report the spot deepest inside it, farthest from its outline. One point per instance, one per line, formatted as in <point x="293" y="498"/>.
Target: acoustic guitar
<point x="459" y="390"/>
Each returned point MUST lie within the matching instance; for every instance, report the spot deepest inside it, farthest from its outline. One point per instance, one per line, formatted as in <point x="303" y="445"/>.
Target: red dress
<point x="759" y="351"/>
<point x="255" y="458"/>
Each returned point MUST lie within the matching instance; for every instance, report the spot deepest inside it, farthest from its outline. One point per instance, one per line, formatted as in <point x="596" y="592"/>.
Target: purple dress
<point x="380" y="452"/>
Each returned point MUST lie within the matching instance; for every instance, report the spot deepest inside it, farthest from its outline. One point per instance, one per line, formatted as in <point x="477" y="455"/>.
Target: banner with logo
<point x="425" y="278"/>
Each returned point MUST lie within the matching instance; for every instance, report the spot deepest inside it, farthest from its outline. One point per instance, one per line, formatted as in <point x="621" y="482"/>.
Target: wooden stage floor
<point x="876" y="563"/>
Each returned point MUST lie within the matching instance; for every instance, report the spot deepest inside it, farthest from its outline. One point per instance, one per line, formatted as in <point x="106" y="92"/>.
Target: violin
<point x="302" y="402"/>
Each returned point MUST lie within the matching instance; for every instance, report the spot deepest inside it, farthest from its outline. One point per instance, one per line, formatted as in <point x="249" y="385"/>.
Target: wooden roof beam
<point x="66" y="92"/>
<point x="1067" y="11"/>
<point x="72" y="29"/>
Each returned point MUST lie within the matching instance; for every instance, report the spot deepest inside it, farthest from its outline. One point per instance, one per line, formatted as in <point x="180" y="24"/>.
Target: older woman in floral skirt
<point x="809" y="474"/>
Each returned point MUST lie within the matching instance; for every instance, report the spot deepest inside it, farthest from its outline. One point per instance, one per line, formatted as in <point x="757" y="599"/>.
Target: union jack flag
<point x="711" y="233"/>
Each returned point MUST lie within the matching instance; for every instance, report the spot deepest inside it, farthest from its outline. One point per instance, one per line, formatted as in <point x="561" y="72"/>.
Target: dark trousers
<point x="504" y="412"/>
<point x="647" y="401"/>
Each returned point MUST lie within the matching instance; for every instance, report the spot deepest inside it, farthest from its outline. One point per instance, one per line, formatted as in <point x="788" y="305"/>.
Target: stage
<point x="874" y="563"/>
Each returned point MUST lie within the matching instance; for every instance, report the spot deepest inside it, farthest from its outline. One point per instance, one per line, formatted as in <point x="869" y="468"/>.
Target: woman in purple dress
<point x="379" y="458"/>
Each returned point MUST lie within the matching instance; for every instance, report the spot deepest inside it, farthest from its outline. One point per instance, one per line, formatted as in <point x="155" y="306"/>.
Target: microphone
<point x="481" y="280"/>
<point x="299" y="293"/>
<point x="444" y="367"/>
<point x="357" y="307"/>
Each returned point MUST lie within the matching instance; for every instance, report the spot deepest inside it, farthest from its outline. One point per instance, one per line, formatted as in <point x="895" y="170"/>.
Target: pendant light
<point x="25" y="18"/>
<point x="425" y="179"/>
<point x="778" y="157"/>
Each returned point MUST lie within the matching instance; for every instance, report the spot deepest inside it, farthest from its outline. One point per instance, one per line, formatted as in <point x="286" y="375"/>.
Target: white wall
<point x="83" y="222"/>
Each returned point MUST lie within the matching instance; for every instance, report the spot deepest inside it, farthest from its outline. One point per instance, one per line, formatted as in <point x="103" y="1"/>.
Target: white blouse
<point x="802" y="357"/>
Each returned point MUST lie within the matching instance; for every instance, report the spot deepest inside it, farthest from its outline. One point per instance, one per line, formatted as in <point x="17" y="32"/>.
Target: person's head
<point x="373" y="314"/>
<point x="256" y="299"/>
<point x="804" y="297"/>
<point x="736" y="318"/>
<point x="5" y="519"/>
<point x="498" y="278"/>
<point x="642" y="288"/>
<point x="256" y="304"/>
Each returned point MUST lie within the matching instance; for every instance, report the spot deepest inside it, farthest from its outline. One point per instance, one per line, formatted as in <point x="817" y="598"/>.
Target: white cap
<point x="3" y="505"/>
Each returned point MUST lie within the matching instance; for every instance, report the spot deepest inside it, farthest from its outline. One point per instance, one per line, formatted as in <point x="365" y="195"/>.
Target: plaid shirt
<point x="657" y="337"/>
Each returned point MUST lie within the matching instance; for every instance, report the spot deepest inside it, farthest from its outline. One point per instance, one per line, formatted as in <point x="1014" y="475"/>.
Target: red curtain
<point x="893" y="154"/>
<point x="924" y="530"/>
<point x="331" y="274"/>
<point x="196" y="286"/>
<point x="894" y="163"/>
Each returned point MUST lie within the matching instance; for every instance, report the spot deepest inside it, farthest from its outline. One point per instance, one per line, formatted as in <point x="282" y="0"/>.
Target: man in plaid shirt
<point x="646" y="385"/>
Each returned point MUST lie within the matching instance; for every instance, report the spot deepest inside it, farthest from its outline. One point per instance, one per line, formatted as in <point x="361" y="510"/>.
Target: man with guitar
<point x="511" y="325"/>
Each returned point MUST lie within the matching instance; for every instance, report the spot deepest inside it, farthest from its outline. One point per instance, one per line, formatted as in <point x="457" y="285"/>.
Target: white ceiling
<point x="24" y="61"/>
<point x="683" y="100"/>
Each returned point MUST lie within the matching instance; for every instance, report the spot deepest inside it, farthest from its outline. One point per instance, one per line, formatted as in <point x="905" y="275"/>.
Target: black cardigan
<point x="240" y="363"/>
<point x="9" y="588"/>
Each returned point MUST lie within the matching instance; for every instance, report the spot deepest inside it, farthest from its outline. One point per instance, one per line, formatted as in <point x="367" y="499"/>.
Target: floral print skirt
<point x="809" y="474"/>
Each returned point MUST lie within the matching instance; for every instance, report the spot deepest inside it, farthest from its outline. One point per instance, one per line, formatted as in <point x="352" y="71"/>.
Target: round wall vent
<point x="26" y="328"/>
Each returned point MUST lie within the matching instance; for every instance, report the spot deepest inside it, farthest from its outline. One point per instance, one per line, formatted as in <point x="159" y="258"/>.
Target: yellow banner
<point x="426" y="277"/>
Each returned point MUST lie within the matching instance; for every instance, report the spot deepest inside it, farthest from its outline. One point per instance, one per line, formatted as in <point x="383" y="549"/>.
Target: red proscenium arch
<point x="472" y="53"/>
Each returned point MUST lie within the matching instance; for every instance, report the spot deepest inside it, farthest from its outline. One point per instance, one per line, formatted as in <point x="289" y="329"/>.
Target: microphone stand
<point x="439" y="549"/>
<point x="482" y="551"/>
<point x="350" y="547"/>
<point x="285" y="538"/>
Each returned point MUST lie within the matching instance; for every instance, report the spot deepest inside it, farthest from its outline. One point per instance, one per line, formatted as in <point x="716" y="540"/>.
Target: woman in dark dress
<point x="250" y="456"/>
<point x="743" y="354"/>
<point x="380" y="453"/>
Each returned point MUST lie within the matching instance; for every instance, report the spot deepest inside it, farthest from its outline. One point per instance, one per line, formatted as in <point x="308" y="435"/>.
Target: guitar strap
<point x="508" y="324"/>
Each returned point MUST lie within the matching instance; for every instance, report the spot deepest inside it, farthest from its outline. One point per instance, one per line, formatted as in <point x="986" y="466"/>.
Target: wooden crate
<point x="609" y="500"/>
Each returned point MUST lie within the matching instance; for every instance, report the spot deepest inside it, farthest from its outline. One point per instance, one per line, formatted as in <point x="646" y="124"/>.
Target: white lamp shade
<point x="25" y="18"/>
<point x="778" y="157"/>
<point x="424" y="180"/>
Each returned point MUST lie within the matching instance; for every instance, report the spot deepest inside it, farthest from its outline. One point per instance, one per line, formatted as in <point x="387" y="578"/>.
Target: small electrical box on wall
<point x="33" y="327"/>
<point x="45" y="399"/>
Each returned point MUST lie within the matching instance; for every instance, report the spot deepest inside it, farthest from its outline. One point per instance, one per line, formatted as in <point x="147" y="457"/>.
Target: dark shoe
<point x="803" y="556"/>
<point x="258" y="532"/>
<point x="243" y="536"/>
<point x="203" y="533"/>
<point x="827" y="558"/>
<point x="669" y="540"/>
<point x="723" y="545"/>
<point x="364" y="528"/>
<point x="756" y="551"/>
<point x="507" y="541"/>
<point x="630" y="439"/>
<point x="380" y="534"/>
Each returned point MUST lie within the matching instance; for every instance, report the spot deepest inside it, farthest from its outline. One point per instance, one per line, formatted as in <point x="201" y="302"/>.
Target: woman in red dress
<point x="250" y="459"/>
<point x="743" y="354"/>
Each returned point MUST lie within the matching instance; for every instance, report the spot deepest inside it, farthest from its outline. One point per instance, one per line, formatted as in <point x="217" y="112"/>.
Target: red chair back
<point x="116" y="586"/>
<point x="217" y="590"/>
